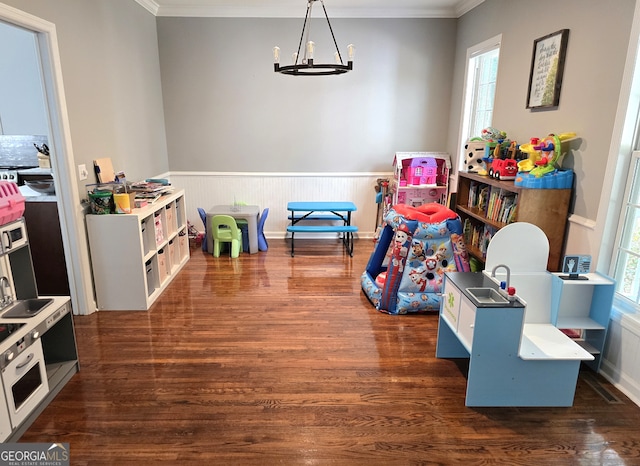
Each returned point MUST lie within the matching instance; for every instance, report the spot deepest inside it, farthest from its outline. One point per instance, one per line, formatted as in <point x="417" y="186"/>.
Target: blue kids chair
<point x="262" y="240"/>
<point x="203" y="216"/>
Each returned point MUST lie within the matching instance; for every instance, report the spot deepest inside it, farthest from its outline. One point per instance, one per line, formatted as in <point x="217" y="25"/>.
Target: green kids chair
<point x="225" y="230"/>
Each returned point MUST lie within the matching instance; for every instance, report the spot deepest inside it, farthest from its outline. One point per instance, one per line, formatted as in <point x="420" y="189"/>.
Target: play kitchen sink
<point x="488" y="296"/>
<point x="25" y="308"/>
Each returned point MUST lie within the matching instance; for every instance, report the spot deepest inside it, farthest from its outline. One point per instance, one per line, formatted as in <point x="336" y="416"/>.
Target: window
<point x="627" y="263"/>
<point x="480" y="90"/>
<point x="620" y="248"/>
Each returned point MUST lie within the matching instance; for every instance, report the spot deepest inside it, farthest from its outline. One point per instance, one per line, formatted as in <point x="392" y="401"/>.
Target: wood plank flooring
<point x="268" y="359"/>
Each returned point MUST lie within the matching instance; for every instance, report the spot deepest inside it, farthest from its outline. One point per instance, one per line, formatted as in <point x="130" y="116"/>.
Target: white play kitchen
<point x="38" y="353"/>
<point x="525" y="331"/>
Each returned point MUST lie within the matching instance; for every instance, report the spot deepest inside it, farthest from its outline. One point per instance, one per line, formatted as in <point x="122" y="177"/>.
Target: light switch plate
<point x="82" y="171"/>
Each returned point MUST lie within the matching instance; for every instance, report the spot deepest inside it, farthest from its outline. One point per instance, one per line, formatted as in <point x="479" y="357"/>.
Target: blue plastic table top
<point x="322" y="206"/>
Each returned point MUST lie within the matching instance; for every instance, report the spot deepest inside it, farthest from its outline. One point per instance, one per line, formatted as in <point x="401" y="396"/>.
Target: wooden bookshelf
<point x="546" y="208"/>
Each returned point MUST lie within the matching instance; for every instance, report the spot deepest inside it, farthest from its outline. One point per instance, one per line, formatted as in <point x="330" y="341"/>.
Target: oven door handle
<point x="5" y="234"/>
<point x="26" y="361"/>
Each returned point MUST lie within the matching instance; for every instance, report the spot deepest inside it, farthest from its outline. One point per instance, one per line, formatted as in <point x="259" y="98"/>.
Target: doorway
<point x="71" y="215"/>
<point x="23" y="125"/>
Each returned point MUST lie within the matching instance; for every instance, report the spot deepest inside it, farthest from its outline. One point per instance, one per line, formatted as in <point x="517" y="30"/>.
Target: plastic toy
<point x="420" y="178"/>
<point x="422" y="171"/>
<point x="550" y="150"/>
<point x="491" y="134"/>
<point x="416" y="246"/>
<point x="495" y="140"/>
<point x="503" y="169"/>
<point x="480" y="150"/>
<point x="533" y="154"/>
<point x="558" y="179"/>
<point x="545" y="155"/>
<point x="474" y="156"/>
<point x="542" y="169"/>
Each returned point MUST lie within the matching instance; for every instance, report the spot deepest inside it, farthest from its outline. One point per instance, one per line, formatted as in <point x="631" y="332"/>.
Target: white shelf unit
<point x="135" y="256"/>
<point x="584" y="306"/>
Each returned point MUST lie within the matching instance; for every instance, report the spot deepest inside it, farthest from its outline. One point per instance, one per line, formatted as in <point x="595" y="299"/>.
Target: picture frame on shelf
<point x="547" y="68"/>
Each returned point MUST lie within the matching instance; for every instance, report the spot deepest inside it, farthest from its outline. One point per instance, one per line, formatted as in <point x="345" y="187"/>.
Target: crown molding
<point x="275" y="11"/>
<point x="149" y="5"/>
<point x="465" y="6"/>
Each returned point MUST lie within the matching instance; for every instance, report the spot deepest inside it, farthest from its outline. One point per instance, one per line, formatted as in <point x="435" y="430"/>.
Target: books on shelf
<point x="150" y="187"/>
<point x="478" y="235"/>
<point x="149" y="192"/>
<point x="149" y="198"/>
<point x="478" y="196"/>
<point x="496" y="204"/>
<point x="472" y="201"/>
<point x="502" y="206"/>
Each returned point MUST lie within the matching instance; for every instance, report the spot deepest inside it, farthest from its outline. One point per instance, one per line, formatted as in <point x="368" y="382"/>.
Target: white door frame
<point x="71" y="212"/>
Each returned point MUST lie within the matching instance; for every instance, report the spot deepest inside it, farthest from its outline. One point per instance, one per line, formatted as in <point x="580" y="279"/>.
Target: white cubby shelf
<point x="135" y="256"/>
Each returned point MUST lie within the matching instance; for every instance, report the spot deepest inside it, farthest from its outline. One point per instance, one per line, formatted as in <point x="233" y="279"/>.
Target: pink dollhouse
<point x="420" y="178"/>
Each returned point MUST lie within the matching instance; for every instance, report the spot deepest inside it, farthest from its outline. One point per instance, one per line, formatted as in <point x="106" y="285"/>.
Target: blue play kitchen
<point x="38" y="352"/>
<point x="513" y="323"/>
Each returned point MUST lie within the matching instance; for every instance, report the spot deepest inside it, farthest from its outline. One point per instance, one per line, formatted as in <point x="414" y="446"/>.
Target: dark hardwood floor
<point x="268" y="359"/>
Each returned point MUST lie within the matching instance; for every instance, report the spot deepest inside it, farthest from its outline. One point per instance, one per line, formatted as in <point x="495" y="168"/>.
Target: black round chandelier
<point x="305" y="65"/>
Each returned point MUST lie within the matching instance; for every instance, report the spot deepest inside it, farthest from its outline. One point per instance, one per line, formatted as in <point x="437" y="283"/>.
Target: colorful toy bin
<point x="417" y="245"/>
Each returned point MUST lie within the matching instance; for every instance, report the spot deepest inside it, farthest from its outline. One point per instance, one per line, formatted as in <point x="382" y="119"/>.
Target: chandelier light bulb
<point x="310" y="48"/>
<point x="351" y="51"/>
<point x="276" y="54"/>
<point x="337" y="57"/>
<point x="294" y="58"/>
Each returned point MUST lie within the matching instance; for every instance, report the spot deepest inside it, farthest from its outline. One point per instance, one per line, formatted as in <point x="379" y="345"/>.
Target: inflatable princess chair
<point x="415" y="248"/>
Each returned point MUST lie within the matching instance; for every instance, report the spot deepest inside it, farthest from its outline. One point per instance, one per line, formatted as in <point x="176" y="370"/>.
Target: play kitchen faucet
<point x="5" y="296"/>
<point x="505" y="288"/>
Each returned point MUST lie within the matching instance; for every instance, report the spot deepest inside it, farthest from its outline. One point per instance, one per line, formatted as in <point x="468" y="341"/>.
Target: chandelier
<point x="305" y="66"/>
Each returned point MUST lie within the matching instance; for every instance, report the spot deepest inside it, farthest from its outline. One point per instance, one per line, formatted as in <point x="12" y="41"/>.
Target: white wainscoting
<point x="621" y="357"/>
<point x="275" y="190"/>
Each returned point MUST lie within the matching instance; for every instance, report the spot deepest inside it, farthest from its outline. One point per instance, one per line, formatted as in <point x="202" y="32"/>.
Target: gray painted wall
<point x="226" y="109"/>
<point x="109" y="55"/>
<point x="596" y="53"/>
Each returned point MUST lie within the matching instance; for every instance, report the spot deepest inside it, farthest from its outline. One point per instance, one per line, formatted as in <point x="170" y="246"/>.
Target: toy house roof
<point x="400" y="156"/>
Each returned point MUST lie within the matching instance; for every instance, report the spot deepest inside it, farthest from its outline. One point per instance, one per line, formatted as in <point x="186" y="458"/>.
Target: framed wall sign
<point x="547" y="66"/>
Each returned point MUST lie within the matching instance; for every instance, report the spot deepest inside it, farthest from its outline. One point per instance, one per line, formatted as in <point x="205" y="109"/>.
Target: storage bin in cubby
<point x="147" y="229"/>
<point x="158" y="227"/>
<point x="174" y="252"/>
<point x="151" y="271"/>
<point x="163" y="265"/>
<point x="170" y="217"/>
<point x="183" y="243"/>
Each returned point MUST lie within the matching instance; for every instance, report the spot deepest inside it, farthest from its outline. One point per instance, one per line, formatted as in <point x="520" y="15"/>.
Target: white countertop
<point x="31" y="322"/>
<point x="35" y="171"/>
<point x="32" y="195"/>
